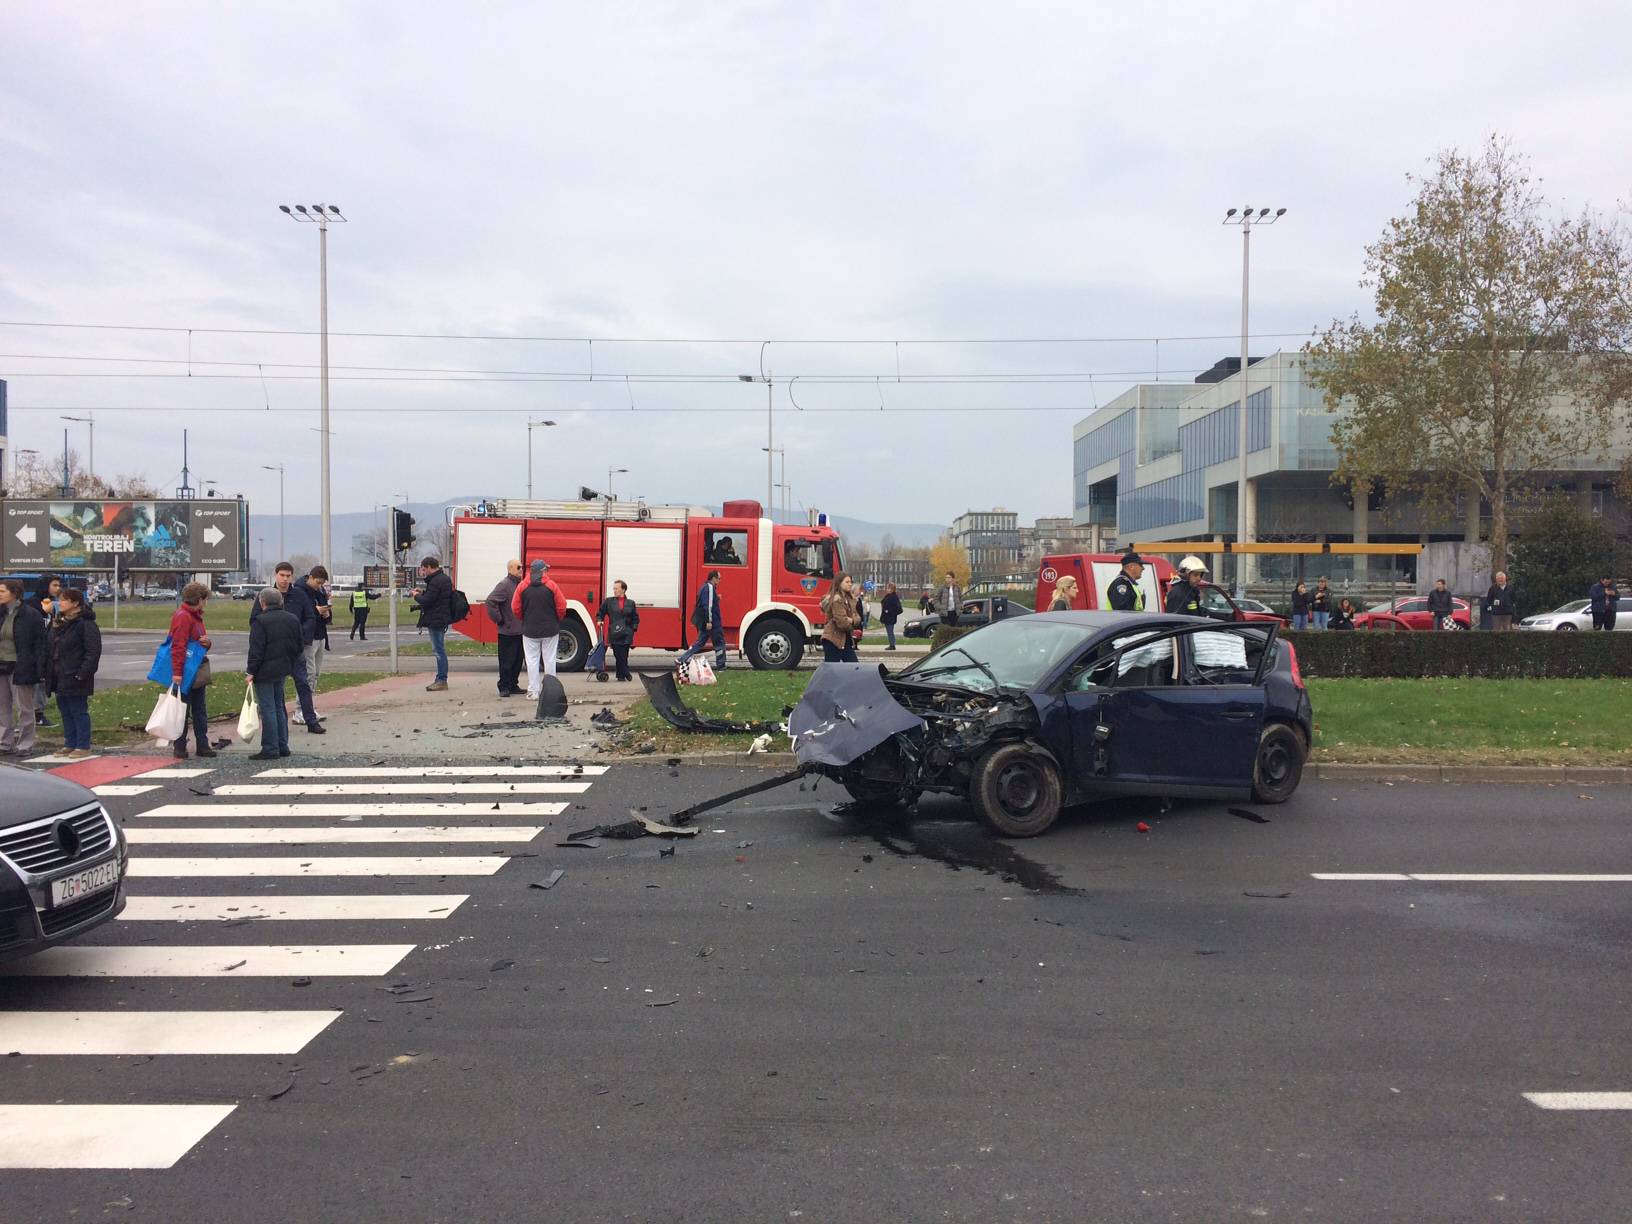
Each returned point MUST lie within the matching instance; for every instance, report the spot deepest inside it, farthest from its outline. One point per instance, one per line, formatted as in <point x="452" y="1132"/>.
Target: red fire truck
<point x="772" y="577"/>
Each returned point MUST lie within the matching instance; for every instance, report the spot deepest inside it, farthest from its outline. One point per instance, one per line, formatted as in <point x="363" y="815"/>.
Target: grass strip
<point x="1436" y="721"/>
<point x="119" y="714"/>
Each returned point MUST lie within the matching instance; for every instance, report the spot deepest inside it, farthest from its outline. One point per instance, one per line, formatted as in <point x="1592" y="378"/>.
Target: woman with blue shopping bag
<point x="183" y="663"/>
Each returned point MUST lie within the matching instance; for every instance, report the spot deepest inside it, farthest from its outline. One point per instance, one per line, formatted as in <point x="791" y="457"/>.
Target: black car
<point x="973" y="614"/>
<point x="62" y="862"/>
<point x="1028" y="715"/>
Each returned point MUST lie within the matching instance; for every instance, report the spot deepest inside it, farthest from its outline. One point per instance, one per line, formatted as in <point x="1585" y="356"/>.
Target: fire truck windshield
<point x="814" y="558"/>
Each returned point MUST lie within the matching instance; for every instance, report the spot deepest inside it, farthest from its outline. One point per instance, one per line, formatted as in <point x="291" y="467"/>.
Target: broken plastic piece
<point x="553" y="879"/>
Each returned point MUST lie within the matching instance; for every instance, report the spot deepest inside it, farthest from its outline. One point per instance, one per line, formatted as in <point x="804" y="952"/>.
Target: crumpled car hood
<point x="845" y="713"/>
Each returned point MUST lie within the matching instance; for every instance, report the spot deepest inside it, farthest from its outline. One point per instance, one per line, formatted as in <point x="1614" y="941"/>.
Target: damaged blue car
<point x="1025" y="717"/>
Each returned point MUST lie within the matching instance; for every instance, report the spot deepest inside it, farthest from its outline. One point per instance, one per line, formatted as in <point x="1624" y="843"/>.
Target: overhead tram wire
<point x="588" y="340"/>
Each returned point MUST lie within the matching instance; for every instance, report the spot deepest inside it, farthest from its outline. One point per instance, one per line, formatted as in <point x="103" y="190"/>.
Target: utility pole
<point x="321" y="215"/>
<point x="1246" y="516"/>
<point x="65" y="463"/>
<point x="770" y="434"/>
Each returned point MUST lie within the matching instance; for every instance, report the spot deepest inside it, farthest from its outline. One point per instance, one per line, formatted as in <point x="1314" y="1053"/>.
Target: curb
<point x="1337" y="772"/>
<point x="1332" y="772"/>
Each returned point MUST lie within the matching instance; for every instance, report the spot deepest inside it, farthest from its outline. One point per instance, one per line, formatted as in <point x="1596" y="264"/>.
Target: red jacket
<point x="187" y="625"/>
<point x="560" y="599"/>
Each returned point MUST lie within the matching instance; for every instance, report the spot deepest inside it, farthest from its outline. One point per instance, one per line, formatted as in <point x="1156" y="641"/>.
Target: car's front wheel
<point x="1566" y="627"/>
<point x="1017" y="790"/>
<point x="1279" y="766"/>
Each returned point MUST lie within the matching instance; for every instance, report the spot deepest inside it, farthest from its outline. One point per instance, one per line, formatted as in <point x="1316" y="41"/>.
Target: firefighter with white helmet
<point x="1184" y="594"/>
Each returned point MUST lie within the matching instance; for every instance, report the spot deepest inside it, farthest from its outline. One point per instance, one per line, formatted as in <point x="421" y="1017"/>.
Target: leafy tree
<point x="1497" y="354"/>
<point x="947" y="556"/>
<point x="1562" y="551"/>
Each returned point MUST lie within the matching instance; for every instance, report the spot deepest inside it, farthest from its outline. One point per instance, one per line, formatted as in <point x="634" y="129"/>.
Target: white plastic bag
<point x="249" y="718"/>
<point x="169" y="717"/>
<point x="699" y="671"/>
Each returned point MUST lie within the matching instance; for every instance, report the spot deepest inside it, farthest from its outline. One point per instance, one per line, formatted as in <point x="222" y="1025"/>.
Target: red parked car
<point x="1411" y="612"/>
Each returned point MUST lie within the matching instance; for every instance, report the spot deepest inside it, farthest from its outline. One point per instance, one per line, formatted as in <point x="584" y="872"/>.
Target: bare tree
<point x="1497" y="357"/>
<point x="373" y="545"/>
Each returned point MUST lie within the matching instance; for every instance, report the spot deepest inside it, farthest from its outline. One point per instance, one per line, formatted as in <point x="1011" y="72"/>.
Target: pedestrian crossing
<point x="288" y="824"/>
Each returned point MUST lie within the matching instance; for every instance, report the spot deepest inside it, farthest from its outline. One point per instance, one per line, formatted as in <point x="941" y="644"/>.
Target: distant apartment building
<point x="1060" y="535"/>
<point x="991" y="538"/>
<point x="907" y="573"/>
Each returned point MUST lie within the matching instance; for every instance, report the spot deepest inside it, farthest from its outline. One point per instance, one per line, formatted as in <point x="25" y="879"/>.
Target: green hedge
<point x="1492" y="656"/>
<point x="1375" y="654"/>
<point x="945" y="634"/>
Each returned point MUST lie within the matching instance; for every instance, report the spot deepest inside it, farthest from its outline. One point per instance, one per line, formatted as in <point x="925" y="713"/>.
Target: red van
<point x="1095" y="572"/>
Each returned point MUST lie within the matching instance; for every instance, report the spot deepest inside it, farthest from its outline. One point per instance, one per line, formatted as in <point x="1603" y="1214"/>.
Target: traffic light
<point x="404" y="530"/>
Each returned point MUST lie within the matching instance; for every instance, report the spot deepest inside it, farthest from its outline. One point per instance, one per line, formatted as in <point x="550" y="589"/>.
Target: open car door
<point x="1175" y="711"/>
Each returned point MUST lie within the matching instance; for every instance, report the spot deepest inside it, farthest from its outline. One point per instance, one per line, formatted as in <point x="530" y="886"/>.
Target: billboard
<point x="208" y="534"/>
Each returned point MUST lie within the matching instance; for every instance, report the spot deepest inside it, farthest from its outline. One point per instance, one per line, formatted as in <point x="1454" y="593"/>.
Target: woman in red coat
<point x="186" y="626"/>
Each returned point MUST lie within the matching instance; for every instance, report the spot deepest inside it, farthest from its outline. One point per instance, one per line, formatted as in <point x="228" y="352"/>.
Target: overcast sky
<point x="722" y="171"/>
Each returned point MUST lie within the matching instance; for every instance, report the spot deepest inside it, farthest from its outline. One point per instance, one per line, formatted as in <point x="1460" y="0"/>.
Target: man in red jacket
<point x="540" y="606"/>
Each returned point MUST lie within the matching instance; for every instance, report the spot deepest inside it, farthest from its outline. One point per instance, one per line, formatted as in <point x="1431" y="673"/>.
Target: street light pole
<point x="1246" y="515"/>
<point x="532" y="425"/>
<point x="770" y="432"/>
<point x="90" y="423"/>
<point x="611" y="472"/>
<point x="322" y="215"/>
<point x="781" y="452"/>
<point x="278" y="468"/>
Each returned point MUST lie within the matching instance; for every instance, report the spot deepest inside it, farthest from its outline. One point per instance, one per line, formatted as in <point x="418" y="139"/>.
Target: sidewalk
<point x="397" y="717"/>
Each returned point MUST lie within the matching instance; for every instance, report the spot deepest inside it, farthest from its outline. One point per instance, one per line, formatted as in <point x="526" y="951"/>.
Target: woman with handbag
<point x="76" y="652"/>
<point x="843" y="621"/>
<point x="186" y="627"/>
<point x="620" y="619"/>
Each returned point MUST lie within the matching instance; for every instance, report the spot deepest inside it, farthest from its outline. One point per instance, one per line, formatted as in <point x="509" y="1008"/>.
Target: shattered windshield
<point x="1018" y="653"/>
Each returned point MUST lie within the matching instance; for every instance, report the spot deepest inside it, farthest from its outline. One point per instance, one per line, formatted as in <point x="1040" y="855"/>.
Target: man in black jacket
<point x="275" y="649"/>
<point x="22" y="666"/>
<point x="434" y="596"/>
<point x="297" y="601"/>
<point x="1440" y="607"/>
<point x="509" y="626"/>
<point x="1124" y="594"/>
<point x="1499" y="604"/>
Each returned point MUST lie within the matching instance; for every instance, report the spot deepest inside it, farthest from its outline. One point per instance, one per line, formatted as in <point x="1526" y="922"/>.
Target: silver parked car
<point x="62" y="862"/>
<point x="1577" y="615"/>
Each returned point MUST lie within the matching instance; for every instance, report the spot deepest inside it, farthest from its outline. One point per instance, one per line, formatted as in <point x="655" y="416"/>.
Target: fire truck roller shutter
<point x="651" y="559"/>
<point x="481" y="551"/>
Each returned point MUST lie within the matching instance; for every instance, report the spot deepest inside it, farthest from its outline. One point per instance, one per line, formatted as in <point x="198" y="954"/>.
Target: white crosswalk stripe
<point x="211" y="960"/>
<point x="435" y="771"/>
<point x="162" y="1032"/>
<point x="425" y="809"/>
<point x="1580" y="1100"/>
<point x="432" y="786"/>
<point x="347" y="834"/>
<point x="315" y="811"/>
<point x="103" y="1136"/>
<point x="293" y="909"/>
<point x="254" y="868"/>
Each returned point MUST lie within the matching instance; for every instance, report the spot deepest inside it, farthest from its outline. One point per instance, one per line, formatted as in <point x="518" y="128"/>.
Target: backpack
<point x="458" y="606"/>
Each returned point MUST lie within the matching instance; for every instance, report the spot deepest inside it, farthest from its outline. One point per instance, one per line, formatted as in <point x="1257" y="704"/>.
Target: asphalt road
<point x="805" y="1014"/>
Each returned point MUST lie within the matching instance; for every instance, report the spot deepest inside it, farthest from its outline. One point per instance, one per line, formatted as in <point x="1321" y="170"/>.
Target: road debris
<point x="1245" y="814"/>
<point x="551" y="882"/>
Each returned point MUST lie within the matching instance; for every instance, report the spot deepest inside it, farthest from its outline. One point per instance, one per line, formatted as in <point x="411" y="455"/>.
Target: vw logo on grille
<point x="67" y="839"/>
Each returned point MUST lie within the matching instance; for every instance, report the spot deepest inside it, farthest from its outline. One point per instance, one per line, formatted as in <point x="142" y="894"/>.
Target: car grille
<point x="35" y="848"/>
<point x="65" y="917"/>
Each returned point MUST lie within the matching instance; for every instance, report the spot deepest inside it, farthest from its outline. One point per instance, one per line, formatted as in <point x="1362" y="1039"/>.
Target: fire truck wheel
<point x="572" y="652"/>
<point x="775" y="644"/>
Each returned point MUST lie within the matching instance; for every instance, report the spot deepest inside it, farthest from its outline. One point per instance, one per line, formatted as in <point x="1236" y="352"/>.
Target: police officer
<point x="1124" y="593"/>
<point x="1184" y="595"/>
<point x="359" y="612"/>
